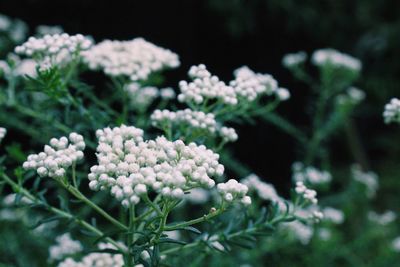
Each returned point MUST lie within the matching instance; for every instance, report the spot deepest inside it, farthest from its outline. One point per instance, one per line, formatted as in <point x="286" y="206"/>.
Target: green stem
<point x="20" y="190"/>
<point x="195" y="221"/>
<point x="74" y="191"/>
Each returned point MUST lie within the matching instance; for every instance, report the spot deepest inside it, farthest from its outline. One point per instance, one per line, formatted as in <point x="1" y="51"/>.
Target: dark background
<point x="225" y="35"/>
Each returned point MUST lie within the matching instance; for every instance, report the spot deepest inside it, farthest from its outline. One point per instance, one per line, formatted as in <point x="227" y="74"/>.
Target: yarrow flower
<point x="351" y="96"/>
<point x="306" y="193"/>
<point x="57" y="49"/>
<point x="383" y="219"/>
<point x="195" y="119"/>
<point x="333" y="215"/>
<point x="301" y="231"/>
<point x="129" y="166"/>
<point x="294" y="59"/>
<point x="233" y="190"/>
<point x="64" y="246"/>
<point x="57" y="157"/>
<point x="264" y="190"/>
<point x="97" y="259"/>
<point x="332" y="57"/>
<point x="396" y="244"/>
<point x="310" y="174"/>
<point x="250" y="85"/>
<point x="43" y="30"/>
<point x="135" y="59"/>
<point x="205" y="86"/>
<point x="369" y="179"/>
<point x="228" y="134"/>
<point x="141" y="97"/>
<point x="3" y="132"/>
<point x="15" y="29"/>
<point x="392" y="111"/>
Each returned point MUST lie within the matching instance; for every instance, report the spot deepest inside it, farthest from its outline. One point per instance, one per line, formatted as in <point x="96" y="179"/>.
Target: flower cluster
<point x="57" y="157"/>
<point x="65" y="246"/>
<point x="301" y="231"/>
<point x="249" y="85"/>
<point x="369" y="179"/>
<point x="352" y="96"/>
<point x="195" y="119"/>
<point x="3" y="132"/>
<point x="97" y="259"/>
<point x="205" y="86"/>
<point x="306" y="193"/>
<point x="383" y="219"/>
<point x="333" y="215"/>
<point x="264" y="190"/>
<point x="310" y="174"/>
<point x="392" y="111"/>
<point x="294" y="59"/>
<point x="396" y="244"/>
<point x="135" y="59"/>
<point x="129" y="166"/>
<point x="43" y="30"/>
<point x="233" y="190"/>
<point x="228" y="134"/>
<point x="15" y="29"/>
<point x="54" y="49"/>
<point x="332" y="57"/>
<point x="143" y="97"/>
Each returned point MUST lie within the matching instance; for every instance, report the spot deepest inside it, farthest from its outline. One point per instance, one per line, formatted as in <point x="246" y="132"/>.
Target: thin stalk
<point x="74" y="191"/>
<point x="195" y="221"/>
<point x="19" y="189"/>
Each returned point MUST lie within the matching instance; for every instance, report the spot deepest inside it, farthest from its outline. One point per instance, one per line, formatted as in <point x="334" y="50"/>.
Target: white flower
<point x="233" y="190"/>
<point x="195" y="119"/>
<point x="283" y="94"/>
<point x="392" y="111"/>
<point x="57" y="157"/>
<point x="294" y="59"/>
<point x="369" y="179"/>
<point x="5" y="69"/>
<point x="5" y="23"/>
<point x="264" y="190"/>
<point x="57" y="49"/>
<point x="249" y="85"/>
<point x="352" y="96"/>
<point x="310" y="174"/>
<point x="333" y="215"/>
<point x="26" y="67"/>
<point x="135" y="59"/>
<point x="97" y="259"/>
<point x="308" y="194"/>
<point x="228" y="134"/>
<point x="129" y="167"/>
<point x="141" y="97"/>
<point x="383" y="219"/>
<point x="64" y="246"/>
<point x="10" y="200"/>
<point x="3" y="132"/>
<point x="396" y="244"/>
<point x="332" y="57"/>
<point x="43" y="30"/>
<point x="167" y="93"/>
<point x="301" y="231"/>
<point x="205" y="86"/>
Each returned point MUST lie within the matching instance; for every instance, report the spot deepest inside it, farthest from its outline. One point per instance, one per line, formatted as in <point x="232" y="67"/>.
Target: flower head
<point x="135" y="59"/>
<point x="57" y="157"/>
<point x="392" y="111"/>
<point x="130" y="167"/>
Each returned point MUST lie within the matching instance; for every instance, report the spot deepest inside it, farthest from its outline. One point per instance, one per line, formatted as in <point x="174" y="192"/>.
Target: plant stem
<point x="195" y="221"/>
<point x="20" y="190"/>
<point x="74" y="191"/>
